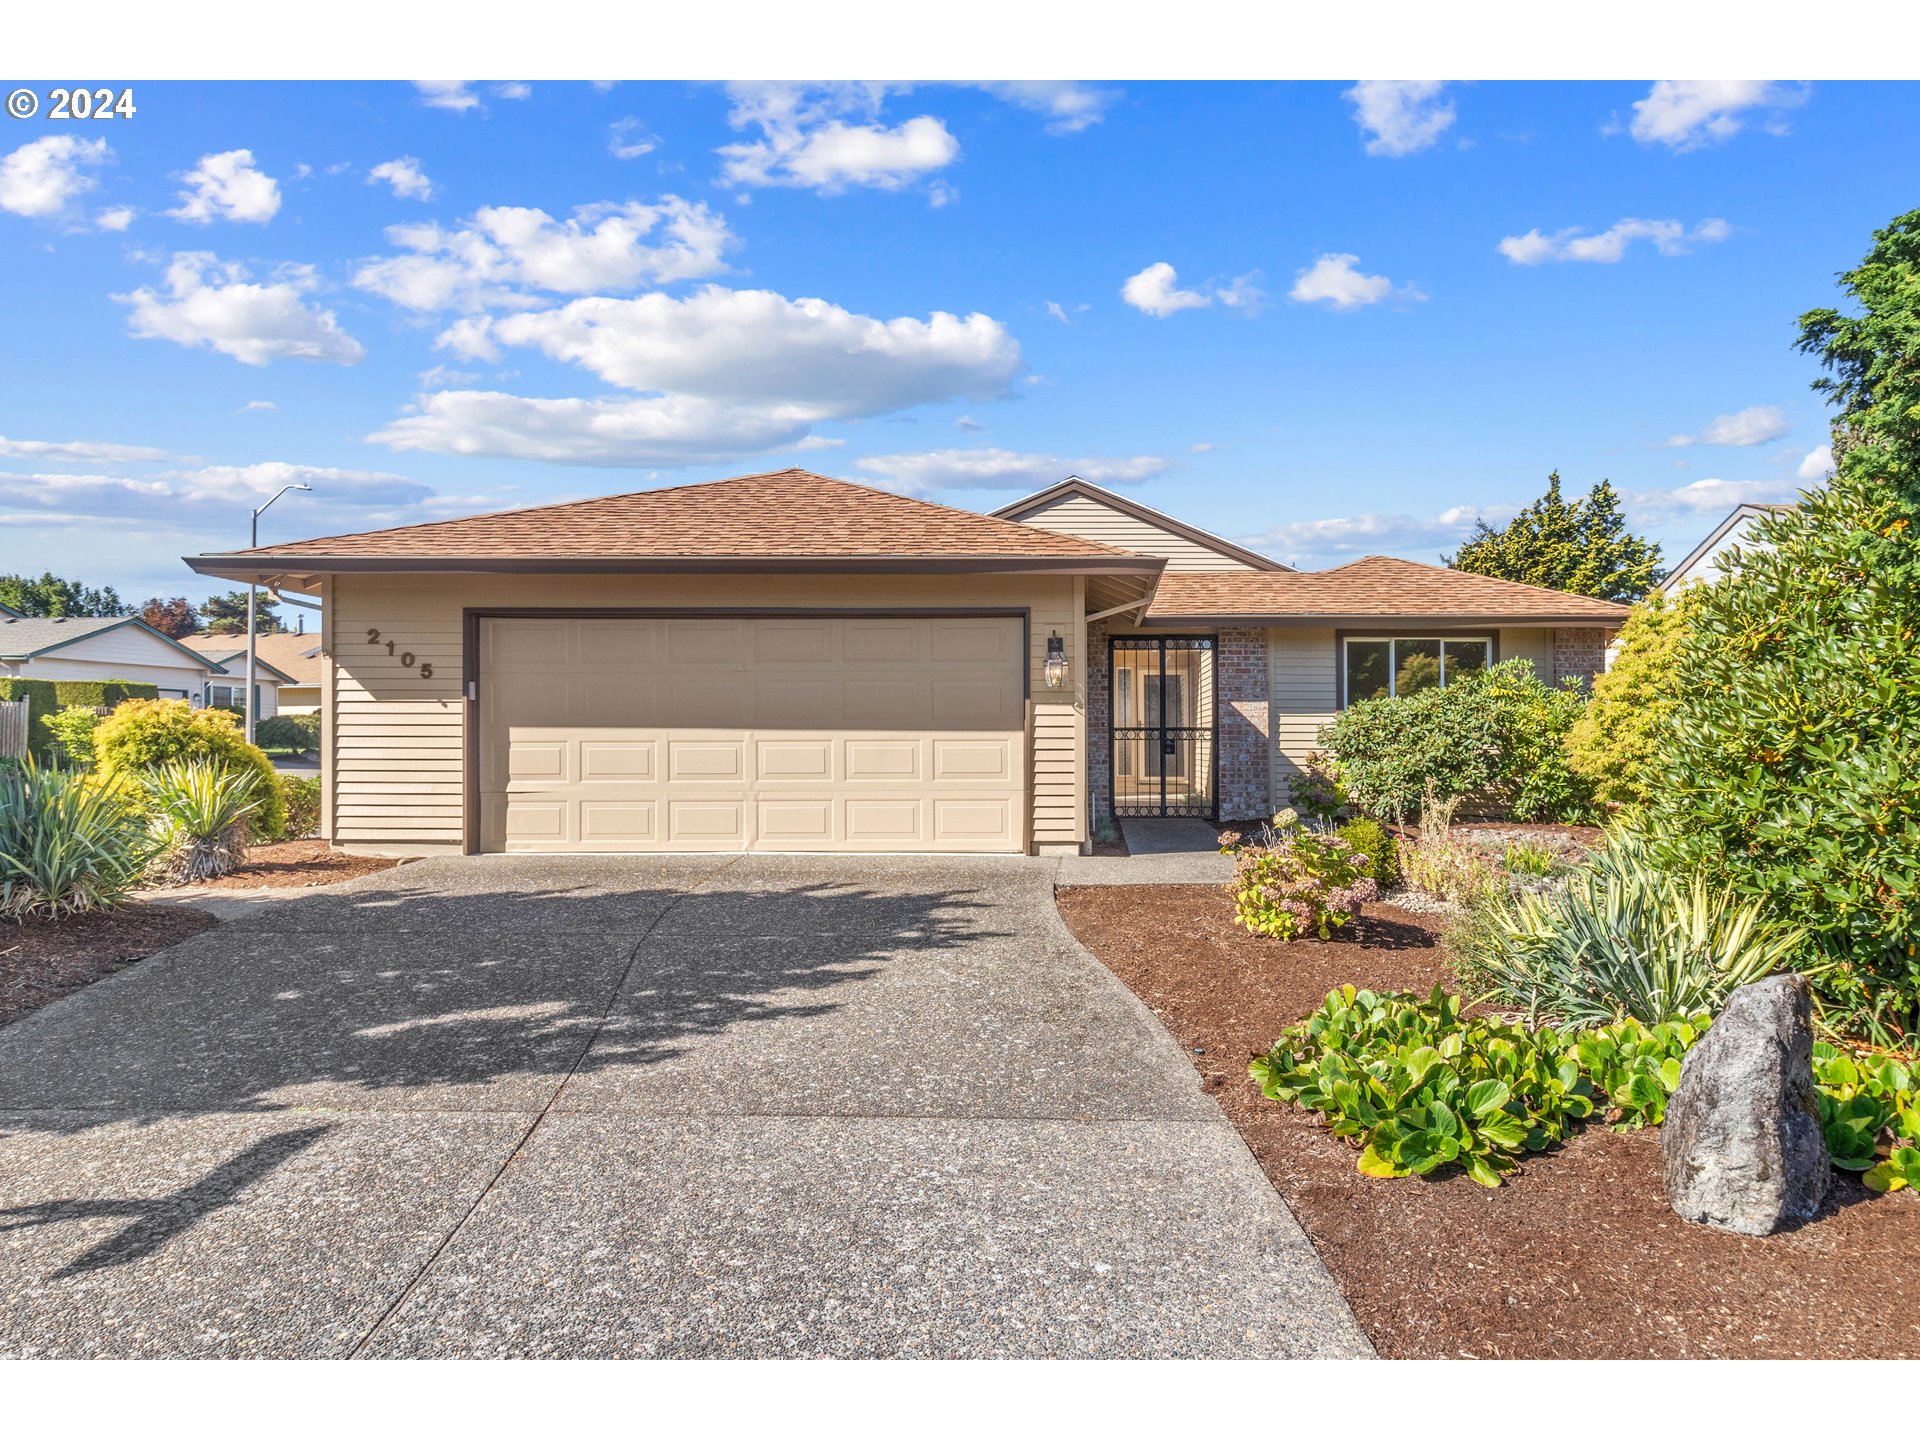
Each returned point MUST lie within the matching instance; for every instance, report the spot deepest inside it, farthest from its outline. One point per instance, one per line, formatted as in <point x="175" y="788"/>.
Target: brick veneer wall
<point x="1099" y="718"/>
<point x="1581" y="653"/>
<point x="1245" y="735"/>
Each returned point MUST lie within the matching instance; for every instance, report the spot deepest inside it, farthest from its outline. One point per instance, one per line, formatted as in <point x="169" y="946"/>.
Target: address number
<point x="405" y="657"/>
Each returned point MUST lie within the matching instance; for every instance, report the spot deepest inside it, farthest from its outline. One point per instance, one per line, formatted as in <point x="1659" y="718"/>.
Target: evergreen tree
<point x="1794" y="757"/>
<point x="227" y="614"/>
<point x="50" y="595"/>
<point x="1580" y="546"/>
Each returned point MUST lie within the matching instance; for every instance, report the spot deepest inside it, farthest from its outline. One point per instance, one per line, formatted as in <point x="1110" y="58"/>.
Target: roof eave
<point x="259" y="567"/>
<point x="1074" y="485"/>
<point x="1346" y="621"/>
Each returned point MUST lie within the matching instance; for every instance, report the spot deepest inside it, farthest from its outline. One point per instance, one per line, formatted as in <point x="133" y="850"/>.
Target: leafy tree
<point x="1580" y="546"/>
<point x="1617" y="745"/>
<point x="50" y="595"/>
<point x="227" y="614"/>
<point x="1795" y="749"/>
<point x="175" y="616"/>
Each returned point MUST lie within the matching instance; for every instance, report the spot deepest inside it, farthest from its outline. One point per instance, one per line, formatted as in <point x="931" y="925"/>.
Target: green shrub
<point x="1493" y="740"/>
<point x="1436" y="864"/>
<point x="1793" y="769"/>
<point x="200" y="810"/>
<point x="41" y="702"/>
<point x="1300" y="884"/>
<point x="1315" y="792"/>
<point x="72" y="730"/>
<point x="300" y="795"/>
<point x="1367" y="836"/>
<point x="141" y="734"/>
<point x="1616" y="746"/>
<point x="1534" y="860"/>
<point x="68" y="842"/>
<point x="1870" y="1114"/>
<point x="102" y="694"/>
<point x="1622" y="938"/>
<point x="298" y="733"/>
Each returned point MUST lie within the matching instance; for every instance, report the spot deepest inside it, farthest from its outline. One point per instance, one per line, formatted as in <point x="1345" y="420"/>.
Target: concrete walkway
<point x="662" y="1107"/>
<point x="1162" y="852"/>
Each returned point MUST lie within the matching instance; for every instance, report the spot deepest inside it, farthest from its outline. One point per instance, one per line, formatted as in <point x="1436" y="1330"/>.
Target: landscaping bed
<point x="41" y="960"/>
<point x="296" y="864"/>
<point x="1577" y="1255"/>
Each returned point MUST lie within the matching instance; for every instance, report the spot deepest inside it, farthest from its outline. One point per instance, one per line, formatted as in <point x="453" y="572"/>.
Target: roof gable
<point x="24" y="637"/>
<point x="1737" y="519"/>
<point x="786" y="519"/>
<point x="1233" y="556"/>
<point x="228" y="654"/>
<point x="1376" y="588"/>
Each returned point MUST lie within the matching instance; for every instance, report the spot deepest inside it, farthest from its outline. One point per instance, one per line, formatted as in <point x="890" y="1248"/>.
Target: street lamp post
<point x="253" y="591"/>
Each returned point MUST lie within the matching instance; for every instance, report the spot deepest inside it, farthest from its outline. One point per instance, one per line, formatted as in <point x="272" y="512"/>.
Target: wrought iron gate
<point x="1161" y="693"/>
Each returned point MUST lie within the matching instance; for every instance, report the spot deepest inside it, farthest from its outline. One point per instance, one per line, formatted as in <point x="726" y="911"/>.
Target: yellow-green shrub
<point x="1615" y="745"/>
<point x="141" y="734"/>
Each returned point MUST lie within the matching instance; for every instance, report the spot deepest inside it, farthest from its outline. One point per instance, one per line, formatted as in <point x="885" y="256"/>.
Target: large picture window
<point x="1406" y="664"/>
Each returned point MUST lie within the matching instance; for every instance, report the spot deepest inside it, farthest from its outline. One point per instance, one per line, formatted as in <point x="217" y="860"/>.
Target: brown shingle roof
<point x="1375" y="588"/>
<point x="790" y="515"/>
<point x="295" y="656"/>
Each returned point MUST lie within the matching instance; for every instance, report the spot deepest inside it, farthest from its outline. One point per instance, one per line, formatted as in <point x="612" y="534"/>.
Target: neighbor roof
<point x="790" y="519"/>
<point x="24" y="636"/>
<point x="229" y="653"/>
<point x="1377" y="588"/>
<point x="1713" y="541"/>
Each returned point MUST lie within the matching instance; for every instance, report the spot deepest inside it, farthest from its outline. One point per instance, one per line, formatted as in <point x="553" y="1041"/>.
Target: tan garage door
<point x="833" y="733"/>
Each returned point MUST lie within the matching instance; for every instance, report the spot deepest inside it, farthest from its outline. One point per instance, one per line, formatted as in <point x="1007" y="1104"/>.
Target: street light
<point x="253" y="591"/>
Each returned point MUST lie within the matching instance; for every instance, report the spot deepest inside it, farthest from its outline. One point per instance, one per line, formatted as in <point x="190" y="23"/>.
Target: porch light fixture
<point x="1056" y="661"/>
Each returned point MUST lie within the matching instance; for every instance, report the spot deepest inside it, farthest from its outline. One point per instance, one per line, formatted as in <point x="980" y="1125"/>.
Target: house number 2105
<point x="405" y="657"/>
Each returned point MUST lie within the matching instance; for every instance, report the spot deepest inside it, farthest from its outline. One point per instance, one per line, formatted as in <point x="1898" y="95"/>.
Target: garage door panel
<point x="869" y="733"/>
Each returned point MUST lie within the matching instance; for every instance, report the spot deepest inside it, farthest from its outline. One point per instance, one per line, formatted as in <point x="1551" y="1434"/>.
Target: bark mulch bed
<point x="1576" y="1256"/>
<point x="297" y="864"/>
<point x="41" y="960"/>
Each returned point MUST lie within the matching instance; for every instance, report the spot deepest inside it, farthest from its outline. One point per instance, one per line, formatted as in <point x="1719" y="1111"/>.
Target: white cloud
<point x="503" y="250"/>
<point x="1669" y="237"/>
<point x="1753" y="426"/>
<point x="1687" y="114"/>
<point x="1201" y="447"/>
<point x="1334" y="281"/>
<point x="214" y="304"/>
<point x="1399" y="117"/>
<point x="404" y="174"/>
<point x="513" y="90"/>
<point x="226" y="186"/>
<point x="89" y="451"/>
<point x="253" y="405"/>
<point x="628" y="139"/>
<point x="1310" y="544"/>
<point x="995" y="469"/>
<point x="721" y="373"/>
<point x="968" y="424"/>
<point x="117" y="217"/>
<point x="182" y="498"/>
<point x="1816" y="465"/>
<point x="1069" y="105"/>
<point x="1155" y="291"/>
<point x="819" y="442"/>
<point x="1706" y="496"/>
<point x="40" y="178"/>
<point x="1243" y="293"/>
<point x="808" y="141"/>
<point x="447" y="94"/>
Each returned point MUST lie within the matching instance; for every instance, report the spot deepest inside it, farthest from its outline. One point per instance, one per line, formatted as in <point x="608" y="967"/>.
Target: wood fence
<point x="13" y="729"/>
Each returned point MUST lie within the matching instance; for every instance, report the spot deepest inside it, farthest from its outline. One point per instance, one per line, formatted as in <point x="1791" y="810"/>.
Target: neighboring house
<point x="296" y="655"/>
<point x="69" y="647"/>
<point x="227" y="686"/>
<point x="790" y="662"/>
<point x="1711" y="558"/>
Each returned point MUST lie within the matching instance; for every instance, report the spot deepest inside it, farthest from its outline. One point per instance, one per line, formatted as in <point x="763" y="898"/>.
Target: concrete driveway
<point x="636" y="1107"/>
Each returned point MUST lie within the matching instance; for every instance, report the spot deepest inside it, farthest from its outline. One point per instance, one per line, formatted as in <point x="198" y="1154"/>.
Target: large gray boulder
<point x="1742" y="1140"/>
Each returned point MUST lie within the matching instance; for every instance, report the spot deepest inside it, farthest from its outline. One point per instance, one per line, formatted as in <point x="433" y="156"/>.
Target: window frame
<point x="1489" y="637"/>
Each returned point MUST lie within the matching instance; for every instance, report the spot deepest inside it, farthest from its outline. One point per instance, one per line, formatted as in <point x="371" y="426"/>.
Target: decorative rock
<point x="1742" y="1141"/>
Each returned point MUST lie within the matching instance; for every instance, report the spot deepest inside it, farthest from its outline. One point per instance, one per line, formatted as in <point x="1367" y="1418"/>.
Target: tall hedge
<point x="41" y="702"/>
<point x="50" y="697"/>
<point x="1794" y="758"/>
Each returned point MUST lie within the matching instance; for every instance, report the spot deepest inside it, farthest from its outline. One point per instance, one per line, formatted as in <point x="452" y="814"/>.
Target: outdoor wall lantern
<point x="1056" y="662"/>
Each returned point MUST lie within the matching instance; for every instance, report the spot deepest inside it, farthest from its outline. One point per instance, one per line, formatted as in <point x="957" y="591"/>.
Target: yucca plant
<point x="1623" y="939"/>
<point x="68" y="842"/>
<point x="200" y="811"/>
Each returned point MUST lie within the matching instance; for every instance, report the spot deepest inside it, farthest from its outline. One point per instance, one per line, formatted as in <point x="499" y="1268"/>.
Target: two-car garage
<point x="774" y="732"/>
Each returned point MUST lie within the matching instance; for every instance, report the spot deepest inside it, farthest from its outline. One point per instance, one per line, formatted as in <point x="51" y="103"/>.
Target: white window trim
<point x="1393" y="667"/>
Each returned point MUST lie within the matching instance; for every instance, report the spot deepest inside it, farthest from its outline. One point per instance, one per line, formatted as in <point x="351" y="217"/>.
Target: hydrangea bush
<point x="1298" y="883"/>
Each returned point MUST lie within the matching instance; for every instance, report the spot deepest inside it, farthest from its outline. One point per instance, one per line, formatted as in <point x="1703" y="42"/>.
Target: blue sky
<point x="1324" y="319"/>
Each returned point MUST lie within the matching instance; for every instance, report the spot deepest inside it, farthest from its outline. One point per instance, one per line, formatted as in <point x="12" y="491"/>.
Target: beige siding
<point x="1533" y="644"/>
<point x="123" y="654"/>
<point x="1302" y="669"/>
<point x="1090" y="520"/>
<point x="396" y="749"/>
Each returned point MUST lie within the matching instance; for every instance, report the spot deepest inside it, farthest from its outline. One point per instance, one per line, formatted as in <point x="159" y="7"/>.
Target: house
<point x="228" y="684"/>
<point x="114" y="647"/>
<point x="1710" y="559"/>
<point x="791" y="662"/>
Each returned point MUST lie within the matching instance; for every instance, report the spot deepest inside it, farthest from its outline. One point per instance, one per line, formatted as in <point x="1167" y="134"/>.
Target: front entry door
<point x="1163" y="750"/>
